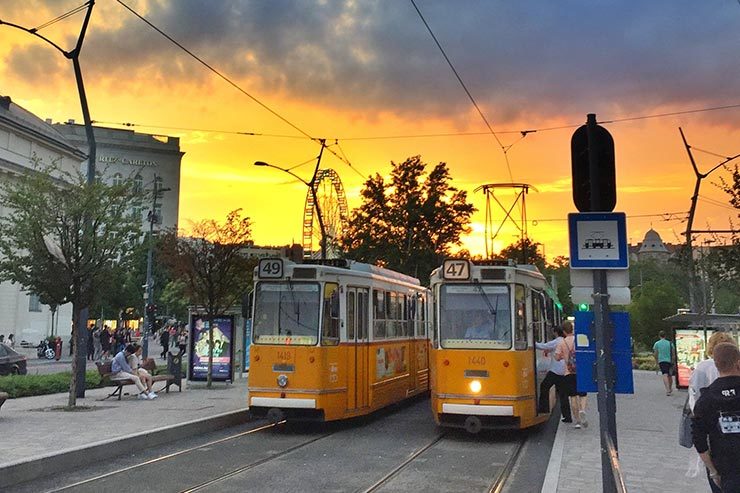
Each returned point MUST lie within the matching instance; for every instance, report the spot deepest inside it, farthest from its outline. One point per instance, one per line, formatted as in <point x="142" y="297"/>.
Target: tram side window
<point x="379" y="315"/>
<point x="520" y="317"/>
<point x="351" y="315"/>
<point x="392" y="315"/>
<point x="411" y="305"/>
<point x="538" y="316"/>
<point x="330" y="327"/>
<point x="362" y="305"/>
<point x="421" y="316"/>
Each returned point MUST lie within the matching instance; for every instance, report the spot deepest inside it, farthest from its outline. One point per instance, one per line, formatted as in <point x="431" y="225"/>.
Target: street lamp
<point x="312" y="187"/>
<point x="689" y="231"/>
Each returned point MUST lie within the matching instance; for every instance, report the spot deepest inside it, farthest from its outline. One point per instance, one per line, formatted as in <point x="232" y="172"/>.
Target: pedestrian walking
<point x="90" y="342"/>
<point x="555" y="376"/>
<point x="97" y="346"/>
<point x="105" y="344"/>
<point x="182" y="340"/>
<point x="566" y="351"/>
<point x="11" y="340"/>
<point x="716" y="421"/>
<point x="164" y="341"/>
<point x="704" y="375"/>
<point x="664" y="353"/>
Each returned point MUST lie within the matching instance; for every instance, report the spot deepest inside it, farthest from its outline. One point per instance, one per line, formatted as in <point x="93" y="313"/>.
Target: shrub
<point x="29" y="385"/>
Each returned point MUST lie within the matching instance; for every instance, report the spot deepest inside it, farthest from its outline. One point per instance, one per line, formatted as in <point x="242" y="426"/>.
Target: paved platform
<point x="649" y="453"/>
<point x="34" y="429"/>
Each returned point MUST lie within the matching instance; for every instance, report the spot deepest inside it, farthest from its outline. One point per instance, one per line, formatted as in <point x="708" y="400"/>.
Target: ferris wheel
<point x="333" y="206"/>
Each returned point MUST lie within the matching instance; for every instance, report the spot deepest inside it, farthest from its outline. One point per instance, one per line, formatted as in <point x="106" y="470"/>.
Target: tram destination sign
<point x="598" y="240"/>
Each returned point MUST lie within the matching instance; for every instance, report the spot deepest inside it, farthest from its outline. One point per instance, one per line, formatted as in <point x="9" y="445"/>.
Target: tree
<point x="524" y="251"/>
<point x="411" y="223"/>
<point x="63" y="237"/>
<point x="560" y="270"/>
<point x="651" y="303"/>
<point x="213" y="266"/>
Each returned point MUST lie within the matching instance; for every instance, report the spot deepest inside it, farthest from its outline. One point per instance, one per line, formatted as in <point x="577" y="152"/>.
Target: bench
<point x="172" y="377"/>
<point x="3" y="397"/>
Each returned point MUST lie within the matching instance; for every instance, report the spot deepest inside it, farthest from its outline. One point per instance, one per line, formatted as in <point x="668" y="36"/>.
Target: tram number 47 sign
<point x="456" y="270"/>
<point x="270" y="268"/>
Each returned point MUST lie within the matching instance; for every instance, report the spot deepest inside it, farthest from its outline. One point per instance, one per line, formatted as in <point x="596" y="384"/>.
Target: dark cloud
<point x="522" y="58"/>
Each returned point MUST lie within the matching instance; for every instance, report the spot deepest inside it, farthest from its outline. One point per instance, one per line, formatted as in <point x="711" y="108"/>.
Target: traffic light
<point x="605" y="182"/>
<point x="583" y="307"/>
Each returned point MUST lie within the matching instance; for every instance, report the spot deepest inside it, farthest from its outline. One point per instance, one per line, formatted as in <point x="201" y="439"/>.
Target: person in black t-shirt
<point x="716" y="421"/>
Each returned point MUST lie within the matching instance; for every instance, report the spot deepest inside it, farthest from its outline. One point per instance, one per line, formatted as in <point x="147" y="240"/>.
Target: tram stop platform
<point x="37" y="436"/>
<point x="647" y="433"/>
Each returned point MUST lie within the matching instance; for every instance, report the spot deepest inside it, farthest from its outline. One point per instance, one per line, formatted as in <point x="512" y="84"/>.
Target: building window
<point x="158" y="183"/>
<point x="117" y="179"/>
<point x="138" y="183"/>
<point x="34" y="305"/>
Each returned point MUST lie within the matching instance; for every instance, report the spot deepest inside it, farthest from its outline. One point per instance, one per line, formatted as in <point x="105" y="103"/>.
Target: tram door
<point x="357" y="333"/>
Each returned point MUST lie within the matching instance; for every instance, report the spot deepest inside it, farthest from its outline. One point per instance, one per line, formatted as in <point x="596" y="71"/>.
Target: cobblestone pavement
<point x="649" y="453"/>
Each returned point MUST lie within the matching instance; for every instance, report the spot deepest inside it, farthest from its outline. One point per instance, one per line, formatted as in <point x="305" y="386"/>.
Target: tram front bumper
<point x="477" y="410"/>
<point x="291" y="403"/>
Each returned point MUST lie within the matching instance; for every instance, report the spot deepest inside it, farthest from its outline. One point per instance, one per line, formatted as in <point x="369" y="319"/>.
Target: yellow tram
<point x="485" y="370"/>
<point x="335" y="339"/>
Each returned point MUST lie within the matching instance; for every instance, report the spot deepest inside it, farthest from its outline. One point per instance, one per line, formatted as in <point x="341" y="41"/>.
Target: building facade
<point x="121" y="154"/>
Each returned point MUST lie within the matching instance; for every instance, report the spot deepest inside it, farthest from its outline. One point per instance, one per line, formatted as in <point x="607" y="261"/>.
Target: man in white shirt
<point x="555" y="375"/>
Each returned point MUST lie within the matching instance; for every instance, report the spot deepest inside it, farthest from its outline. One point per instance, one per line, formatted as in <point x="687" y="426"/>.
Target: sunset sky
<point x="350" y="70"/>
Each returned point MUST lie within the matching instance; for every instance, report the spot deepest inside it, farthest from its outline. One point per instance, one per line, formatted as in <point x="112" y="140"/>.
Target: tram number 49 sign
<point x="270" y="268"/>
<point x="456" y="270"/>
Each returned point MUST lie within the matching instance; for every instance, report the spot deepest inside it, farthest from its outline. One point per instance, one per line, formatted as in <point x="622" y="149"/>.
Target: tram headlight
<point x="282" y="380"/>
<point x="475" y="386"/>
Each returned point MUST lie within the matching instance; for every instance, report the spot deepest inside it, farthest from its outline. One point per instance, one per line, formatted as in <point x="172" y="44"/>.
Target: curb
<point x="26" y="470"/>
<point x="552" y="476"/>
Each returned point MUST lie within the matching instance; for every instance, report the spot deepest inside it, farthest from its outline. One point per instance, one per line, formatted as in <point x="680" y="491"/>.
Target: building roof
<point x="700" y="320"/>
<point x="24" y="121"/>
<point x="652" y="243"/>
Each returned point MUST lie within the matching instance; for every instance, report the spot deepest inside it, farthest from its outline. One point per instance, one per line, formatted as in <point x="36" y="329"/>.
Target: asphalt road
<point x="399" y="449"/>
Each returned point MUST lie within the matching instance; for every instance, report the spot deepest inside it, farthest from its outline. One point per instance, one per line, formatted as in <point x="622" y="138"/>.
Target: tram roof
<point x="352" y="265"/>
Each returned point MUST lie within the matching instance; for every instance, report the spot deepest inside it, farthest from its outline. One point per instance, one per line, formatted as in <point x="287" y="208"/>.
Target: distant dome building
<point x="652" y="247"/>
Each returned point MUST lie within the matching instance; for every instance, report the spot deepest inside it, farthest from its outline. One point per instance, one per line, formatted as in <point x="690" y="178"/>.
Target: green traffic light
<point x="583" y="307"/>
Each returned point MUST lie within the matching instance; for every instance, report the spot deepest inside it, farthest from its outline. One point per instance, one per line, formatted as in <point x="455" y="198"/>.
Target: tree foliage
<point x="410" y="223"/>
<point x="62" y="238"/>
<point x="212" y="265"/>
<point x="524" y="251"/>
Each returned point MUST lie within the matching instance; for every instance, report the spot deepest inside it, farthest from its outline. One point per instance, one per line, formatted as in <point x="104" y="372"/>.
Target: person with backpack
<point x="555" y="374"/>
<point x="578" y="400"/>
<point x="715" y="427"/>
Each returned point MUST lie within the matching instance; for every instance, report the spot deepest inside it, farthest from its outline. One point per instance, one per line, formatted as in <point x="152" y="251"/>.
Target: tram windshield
<point x="286" y="313"/>
<point x="475" y="316"/>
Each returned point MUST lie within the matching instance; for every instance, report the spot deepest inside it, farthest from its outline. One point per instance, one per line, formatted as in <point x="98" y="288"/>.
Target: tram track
<point x="503" y="477"/>
<point x="162" y="458"/>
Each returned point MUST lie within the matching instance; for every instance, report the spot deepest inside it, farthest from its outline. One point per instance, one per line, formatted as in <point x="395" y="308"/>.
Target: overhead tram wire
<point x="504" y="149"/>
<point x="208" y="130"/>
<point x="61" y="17"/>
<point x="665" y="216"/>
<point x="230" y="82"/>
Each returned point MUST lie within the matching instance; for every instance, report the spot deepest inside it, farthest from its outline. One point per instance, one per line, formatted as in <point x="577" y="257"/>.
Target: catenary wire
<point x="465" y="88"/>
<point x="228" y="80"/>
<point x="61" y="17"/>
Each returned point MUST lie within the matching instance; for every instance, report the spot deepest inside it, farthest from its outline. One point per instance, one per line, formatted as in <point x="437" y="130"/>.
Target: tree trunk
<point x="73" y="381"/>
<point x="209" y="379"/>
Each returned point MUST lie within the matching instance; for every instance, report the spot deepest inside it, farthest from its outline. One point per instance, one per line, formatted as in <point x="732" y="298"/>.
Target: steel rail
<point x="255" y="464"/>
<point x="404" y="464"/>
<point x="164" y="457"/>
<point x="502" y="478"/>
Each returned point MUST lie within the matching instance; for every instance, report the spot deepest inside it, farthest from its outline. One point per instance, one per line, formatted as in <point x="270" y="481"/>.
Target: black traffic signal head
<point x="603" y="174"/>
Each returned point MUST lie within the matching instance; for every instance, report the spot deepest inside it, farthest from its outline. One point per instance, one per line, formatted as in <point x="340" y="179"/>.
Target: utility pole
<point x="149" y="308"/>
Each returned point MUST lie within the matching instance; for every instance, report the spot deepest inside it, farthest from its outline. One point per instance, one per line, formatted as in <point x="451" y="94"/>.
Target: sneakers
<point x="582" y="415"/>
<point x="143" y="397"/>
<point x="151" y="395"/>
<point x="668" y="393"/>
<point x="577" y="426"/>
<point x="566" y="420"/>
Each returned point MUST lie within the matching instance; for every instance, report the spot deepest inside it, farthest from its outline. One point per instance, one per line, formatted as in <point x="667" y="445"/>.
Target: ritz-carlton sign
<point x="128" y="161"/>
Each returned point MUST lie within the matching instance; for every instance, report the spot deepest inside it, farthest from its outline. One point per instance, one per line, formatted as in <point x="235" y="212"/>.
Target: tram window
<point x="520" y="317"/>
<point x="538" y="315"/>
<point x="362" y="314"/>
<point x="379" y="305"/>
<point x="392" y="325"/>
<point x="351" y="315"/>
<point x="330" y="327"/>
<point x="474" y="316"/>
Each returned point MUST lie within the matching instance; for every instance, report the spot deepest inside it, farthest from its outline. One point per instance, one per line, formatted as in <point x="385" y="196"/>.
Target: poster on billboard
<point x="690" y="347"/>
<point x="223" y="348"/>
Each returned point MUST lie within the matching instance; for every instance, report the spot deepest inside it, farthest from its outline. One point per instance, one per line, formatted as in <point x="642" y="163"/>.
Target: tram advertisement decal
<point x="223" y="332"/>
<point x="390" y="362"/>
<point x="690" y="346"/>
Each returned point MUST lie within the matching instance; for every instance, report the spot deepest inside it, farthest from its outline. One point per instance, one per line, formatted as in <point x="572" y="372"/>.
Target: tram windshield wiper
<point x="491" y="309"/>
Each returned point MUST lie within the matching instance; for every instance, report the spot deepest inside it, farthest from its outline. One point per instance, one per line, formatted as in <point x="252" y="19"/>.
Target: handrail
<point x="616" y="470"/>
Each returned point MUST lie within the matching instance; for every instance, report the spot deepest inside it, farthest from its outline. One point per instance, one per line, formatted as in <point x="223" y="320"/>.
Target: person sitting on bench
<point x="121" y="369"/>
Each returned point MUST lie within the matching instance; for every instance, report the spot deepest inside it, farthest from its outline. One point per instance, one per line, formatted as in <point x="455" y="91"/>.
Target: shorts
<point x="665" y="367"/>
<point x="570" y="386"/>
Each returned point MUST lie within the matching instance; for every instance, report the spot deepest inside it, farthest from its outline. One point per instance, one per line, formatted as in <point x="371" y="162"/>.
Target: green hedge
<point x="644" y="361"/>
<point x="29" y="385"/>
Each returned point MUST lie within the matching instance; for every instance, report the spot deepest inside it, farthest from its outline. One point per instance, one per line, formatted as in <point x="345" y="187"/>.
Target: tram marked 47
<point x="335" y="339"/>
<point x="485" y="370"/>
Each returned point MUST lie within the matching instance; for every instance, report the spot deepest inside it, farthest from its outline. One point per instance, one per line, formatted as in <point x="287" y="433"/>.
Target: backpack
<point x="570" y="359"/>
